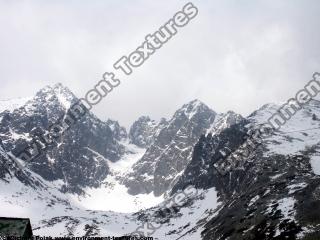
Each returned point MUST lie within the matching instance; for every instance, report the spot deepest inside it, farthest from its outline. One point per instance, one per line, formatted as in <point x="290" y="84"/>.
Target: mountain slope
<point x="144" y="131"/>
<point x="270" y="193"/>
<point x="171" y="150"/>
<point x="78" y="158"/>
<point x="56" y="214"/>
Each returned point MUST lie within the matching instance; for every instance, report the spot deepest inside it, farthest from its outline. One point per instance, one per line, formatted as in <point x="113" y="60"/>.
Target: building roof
<point x="20" y="227"/>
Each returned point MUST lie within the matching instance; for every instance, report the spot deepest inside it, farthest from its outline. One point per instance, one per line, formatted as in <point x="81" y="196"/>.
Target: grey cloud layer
<point x="233" y="56"/>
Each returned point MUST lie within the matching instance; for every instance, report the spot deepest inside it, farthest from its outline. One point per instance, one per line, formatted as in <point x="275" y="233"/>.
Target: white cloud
<point x="232" y="55"/>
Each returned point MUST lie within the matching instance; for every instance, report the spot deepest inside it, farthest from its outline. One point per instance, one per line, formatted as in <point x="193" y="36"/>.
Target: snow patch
<point x="315" y="164"/>
<point x="12" y="104"/>
<point x="112" y="195"/>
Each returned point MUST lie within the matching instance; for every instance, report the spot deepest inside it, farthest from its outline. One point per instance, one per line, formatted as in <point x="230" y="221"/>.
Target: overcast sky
<point x="235" y="55"/>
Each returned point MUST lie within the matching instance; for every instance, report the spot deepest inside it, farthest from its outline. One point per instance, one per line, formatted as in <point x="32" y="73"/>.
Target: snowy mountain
<point x="78" y="158"/>
<point x="144" y="131"/>
<point x="272" y="193"/>
<point x="55" y="213"/>
<point x="163" y="179"/>
<point x="223" y="121"/>
<point x="171" y="150"/>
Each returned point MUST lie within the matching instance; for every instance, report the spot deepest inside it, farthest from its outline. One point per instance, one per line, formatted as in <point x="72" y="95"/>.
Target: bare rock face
<point x="143" y="131"/>
<point x="171" y="149"/>
<point x="119" y="132"/>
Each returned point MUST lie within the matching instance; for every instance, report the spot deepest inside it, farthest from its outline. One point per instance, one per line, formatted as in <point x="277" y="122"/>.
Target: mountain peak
<point x="194" y="107"/>
<point x="223" y="121"/>
<point x="58" y="86"/>
<point x="118" y="131"/>
<point x="195" y="102"/>
<point x="63" y="94"/>
<point x="142" y="131"/>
